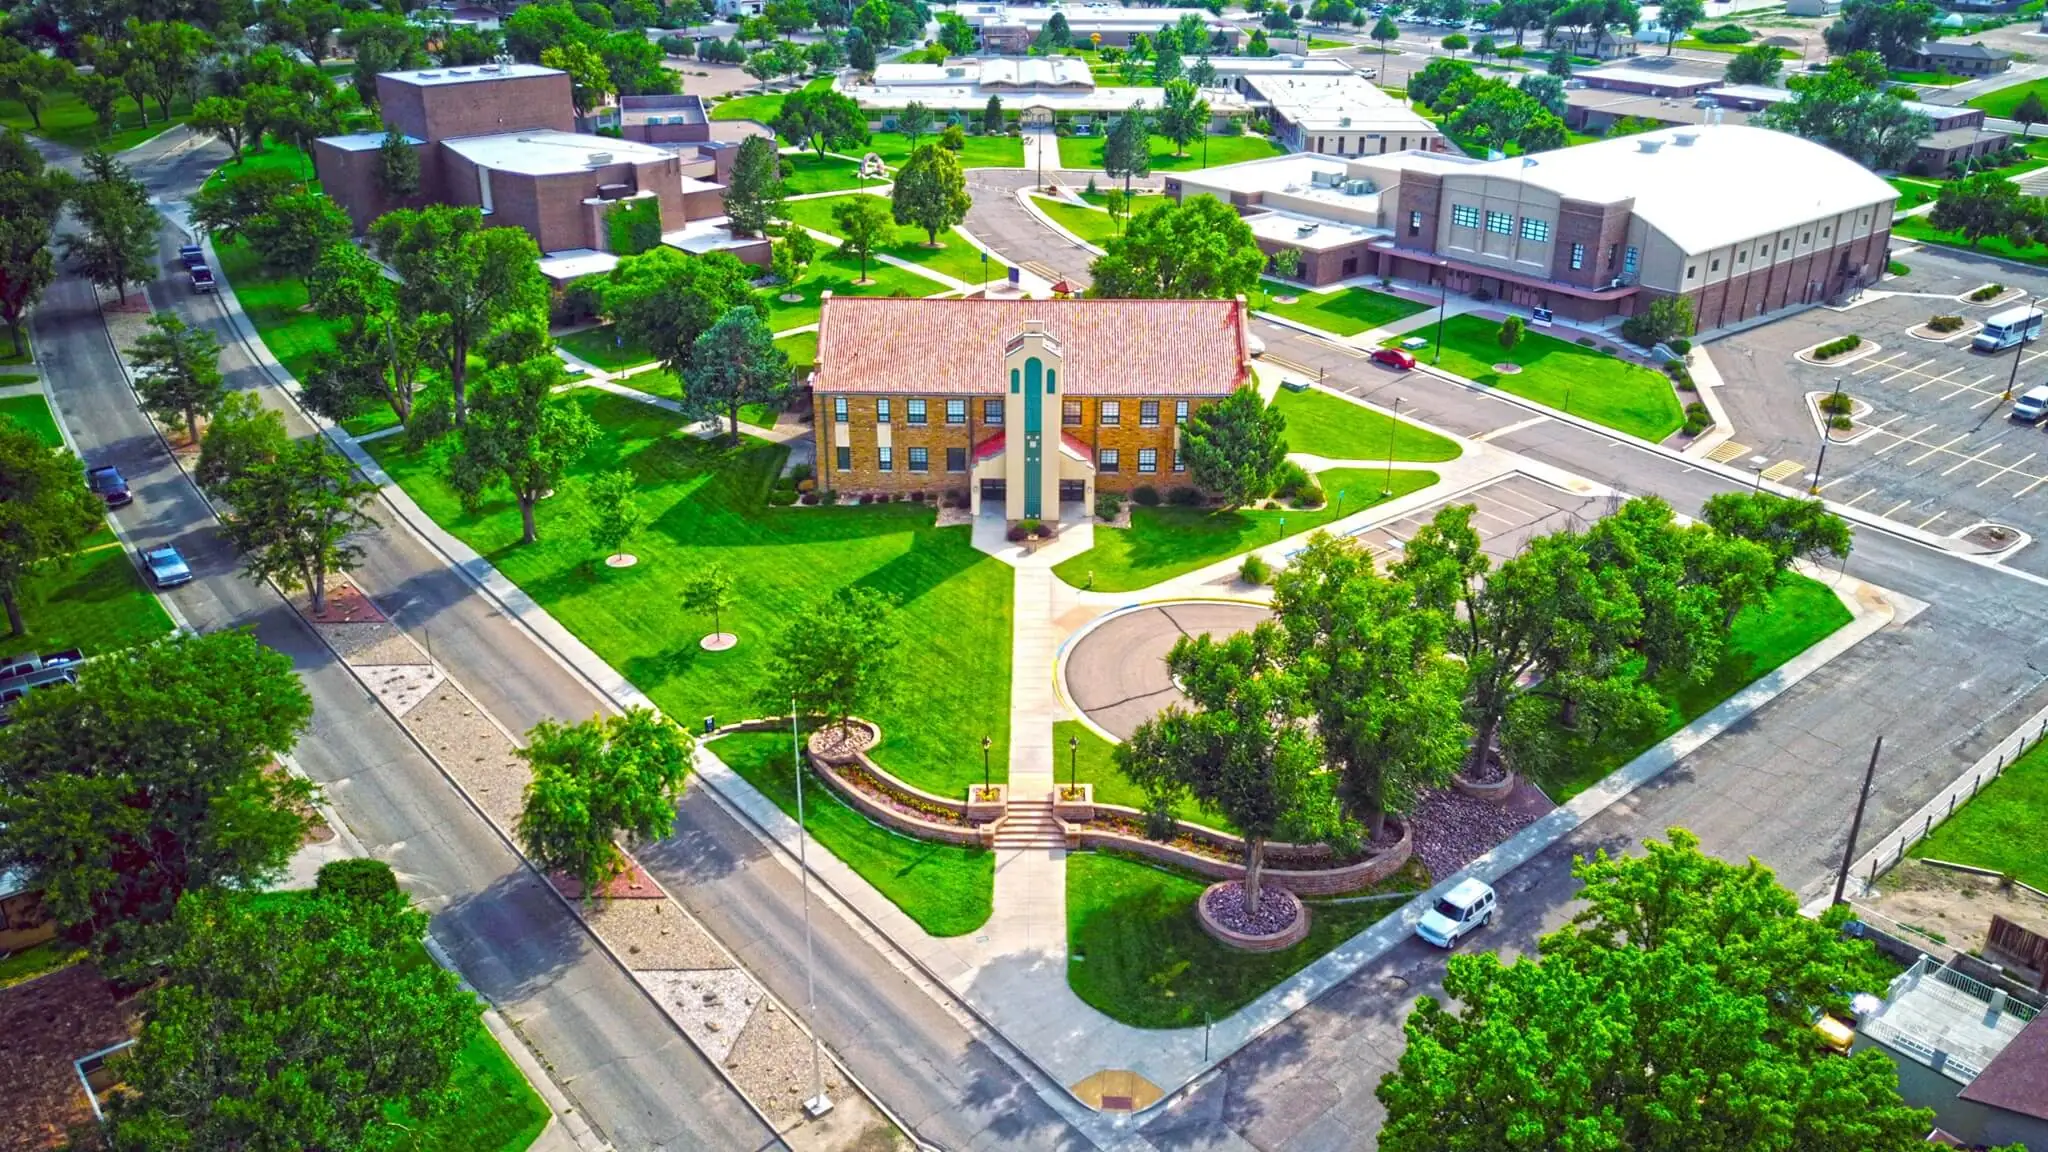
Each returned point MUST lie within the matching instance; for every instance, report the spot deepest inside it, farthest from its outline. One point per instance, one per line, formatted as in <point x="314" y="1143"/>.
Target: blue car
<point x="166" y="568"/>
<point x="106" y="483"/>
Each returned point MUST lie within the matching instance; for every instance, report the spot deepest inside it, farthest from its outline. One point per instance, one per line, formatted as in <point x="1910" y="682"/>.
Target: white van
<point x="2032" y="404"/>
<point x="2008" y="328"/>
<point x="1466" y="907"/>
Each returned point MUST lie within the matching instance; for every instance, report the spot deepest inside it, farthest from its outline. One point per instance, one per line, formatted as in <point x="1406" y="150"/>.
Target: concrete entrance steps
<point x="1030" y="826"/>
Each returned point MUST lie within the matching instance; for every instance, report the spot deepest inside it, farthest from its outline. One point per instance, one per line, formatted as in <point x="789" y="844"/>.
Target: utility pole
<point x="1813" y="488"/>
<point x="819" y="1103"/>
<point x="1856" y="824"/>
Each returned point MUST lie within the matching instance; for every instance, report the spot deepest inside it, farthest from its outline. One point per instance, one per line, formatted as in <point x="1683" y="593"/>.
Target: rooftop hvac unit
<point x="430" y="75"/>
<point x="1297" y="64"/>
<point x="487" y="68"/>
<point x="1649" y="145"/>
<point x="613" y="191"/>
<point x="1357" y="187"/>
<point x="458" y="71"/>
<point x="598" y="159"/>
<point x="1325" y="179"/>
<point x="1344" y="122"/>
<point x="1306" y="230"/>
<point x="1685" y="139"/>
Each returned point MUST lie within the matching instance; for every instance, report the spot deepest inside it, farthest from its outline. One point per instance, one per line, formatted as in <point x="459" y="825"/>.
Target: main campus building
<point x="1026" y="403"/>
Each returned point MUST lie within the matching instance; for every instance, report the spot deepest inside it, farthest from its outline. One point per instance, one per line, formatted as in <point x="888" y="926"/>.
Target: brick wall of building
<point x="433" y="111"/>
<point x="1597" y="226"/>
<point x="1810" y="279"/>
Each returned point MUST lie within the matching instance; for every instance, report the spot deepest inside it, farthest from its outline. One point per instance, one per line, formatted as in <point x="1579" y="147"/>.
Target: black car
<point x="106" y="481"/>
<point x="202" y="278"/>
<point x="191" y="254"/>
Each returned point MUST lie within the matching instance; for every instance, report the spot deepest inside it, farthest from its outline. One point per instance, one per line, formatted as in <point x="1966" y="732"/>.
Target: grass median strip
<point x="1323" y="424"/>
<point x="1582" y="381"/>
<point x="947" y="888"/>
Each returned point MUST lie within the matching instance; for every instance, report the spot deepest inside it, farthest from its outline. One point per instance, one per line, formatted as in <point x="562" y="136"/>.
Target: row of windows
<point x="1498" y="223"/>
<point x="1110" y="460"/>
<point x="1108" y="412"/>
<point x="920" y="460"/>
<point x="1764" y="248"/>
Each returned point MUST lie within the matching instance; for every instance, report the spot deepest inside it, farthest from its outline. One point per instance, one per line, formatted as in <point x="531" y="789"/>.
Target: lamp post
<point x="1443" y="303"/>
<point x="986" y="744"/>
<point x="1813" y="486"/>
<point x="2018" y="354"/>
<point x="819" y="1103"/>
<point x="1073" y="765"/>
<point x="1393" y="426"/>
<point x="1757" y="463"/>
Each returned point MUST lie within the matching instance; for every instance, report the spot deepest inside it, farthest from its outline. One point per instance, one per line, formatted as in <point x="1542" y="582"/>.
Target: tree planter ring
<point x="718" y="642"/>
<point x="621" y="560"/>
<point x="1295" y="931"/>
<point x="1492" y="791"/>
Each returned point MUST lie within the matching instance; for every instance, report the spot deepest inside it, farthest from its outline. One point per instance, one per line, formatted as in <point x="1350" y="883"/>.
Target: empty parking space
<point x="1506" y="513"/>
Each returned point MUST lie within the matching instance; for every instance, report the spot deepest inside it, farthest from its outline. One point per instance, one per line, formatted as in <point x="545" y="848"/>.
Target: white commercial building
<point x="1039" y="88"/>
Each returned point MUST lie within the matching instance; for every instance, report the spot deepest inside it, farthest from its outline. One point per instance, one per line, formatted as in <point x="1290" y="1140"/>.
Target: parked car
<point x="191" y="255"/>
<point x="202" y="278"/>
<point x="106" y="482"/>
<point x="1467" y="907"/>
<point x="15" y="689"/>
<point x="2032" y="404"/>
<point x="1394" y="358"/>
<point x="28" y="662"/>
<point x="166" y="568"/>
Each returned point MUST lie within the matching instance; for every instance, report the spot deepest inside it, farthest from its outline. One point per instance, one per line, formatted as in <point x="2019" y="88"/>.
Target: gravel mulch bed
<point x="1277" y="909"/>
<point x="473" y="750"/>
<point x="772" y="1065"/>
<point x="372" y="642"/>
<point x="401" y="687"/>
<point x="835" y="741"/>
<point x="654" y="934"/>
<point x="1453" y="829"/>
<point x="346" y="604"/>
<point x="712" y="1007"/>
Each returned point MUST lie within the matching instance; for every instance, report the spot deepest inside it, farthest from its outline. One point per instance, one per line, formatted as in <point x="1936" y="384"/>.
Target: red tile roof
<point x="955" y="346"/>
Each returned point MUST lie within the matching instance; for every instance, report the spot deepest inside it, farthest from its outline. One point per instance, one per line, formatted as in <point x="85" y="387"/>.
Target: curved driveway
<point x="1117" y="672"/>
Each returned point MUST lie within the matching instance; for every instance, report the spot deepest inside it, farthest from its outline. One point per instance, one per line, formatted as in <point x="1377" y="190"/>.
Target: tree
<point x="595" y="780"/>
<point x="1385" y="696"/>
<point x="101" y="93"/>
<point x="1984" y="204"/>
<point x="1679" y="16"/>
<point x="521" y="435"/>
<point x="1386" y="32"/>
<point x="1667" y="318"/>
<point x="1235" y="445"/>
<point x="789" y="16"/>
<point x="1166" y="67"/>
<point x="1127" y="150"/>
<point x="930" y="192"/>
<point x="617" y="514"/>
<point x="1545" y="90"/>
<point x="153" y="778"/>
<point x="836" y="657"/>
<point x="860" y="51"/>
<point x="954" y="34"/>
<point x="45" y="512"/>
<point x="992" y="116"/>
<point x="1198" y="248"/>
<point x="116" y="245"/>
<point x="242" y="435"/>
<point x="224" y="117"/>
<point x="224" y="208"/>
<point x="297" y="230"/>
<point x="293" y="517"/>
<point x="1203" y="74"/>
<point x="1240" y="749"/>
<point x="1560" y="64"/>
<point x="591" y="84"/>
<point x="1183" y="114"/>
<point x="380" y="353"/>
<point x="177" y="372"/>
<point x="1894" y="29"/>
<point x="1510" y="334"/>
<point x="663" y="299"/>
<point x="1455" y="43"/>
<point x="1840" y="110"/>
<point x="2031" y="111"/>
<point x="398" y="167"/>
<point x="291" y="1021"/>
<point x="1756" y="64"/>
<point x="1788" y="529"/>
<point x="709" y="590"/>
<point x="28" y="77"/>
<point x="822" y="118"/>
<point x="733" y="364"/>
<point x="1437" y="77"/>
<point x="915" y="121"/>
<point x="170" y="51"/>
<point x="864" y="225"/>
<point x="32" y="196"/>
<point x="450" y="265"/>
<point x="754" y="194"/>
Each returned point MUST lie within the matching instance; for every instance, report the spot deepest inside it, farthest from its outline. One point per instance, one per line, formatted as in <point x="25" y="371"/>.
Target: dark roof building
<point x="1955" y="58"/>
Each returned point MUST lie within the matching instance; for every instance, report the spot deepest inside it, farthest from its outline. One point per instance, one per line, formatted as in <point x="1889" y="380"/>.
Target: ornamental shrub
<point x="1145" y="496"/>
<point x="1185" y="496"/>
<point x="1254" y="570"/>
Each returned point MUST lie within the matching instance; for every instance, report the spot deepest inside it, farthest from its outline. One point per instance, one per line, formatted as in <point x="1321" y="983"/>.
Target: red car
<point x="1395" y="358"/>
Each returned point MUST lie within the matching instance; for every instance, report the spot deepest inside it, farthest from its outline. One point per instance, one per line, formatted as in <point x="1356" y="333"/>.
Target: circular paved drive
<point x="1117" y="672"/>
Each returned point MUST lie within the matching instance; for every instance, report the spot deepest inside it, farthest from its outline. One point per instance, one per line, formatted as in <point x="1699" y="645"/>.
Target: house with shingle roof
<point x="1959" y="59"/>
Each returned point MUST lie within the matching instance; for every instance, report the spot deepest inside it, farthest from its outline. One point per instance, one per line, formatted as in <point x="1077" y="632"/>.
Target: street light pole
<point x="1073" y="765"/>
<point x="1393" y="426"/>
<point x="986" y="744"/>
<point x="1813" y="488"/>
<point x="1443" y="303"/>
<point x="819" y="1103"/>
<point x="1756" y="464"/>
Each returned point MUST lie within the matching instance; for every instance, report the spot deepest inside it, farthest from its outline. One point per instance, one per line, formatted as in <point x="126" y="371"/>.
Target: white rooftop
<point x="572" y="263"/>
<point x="1661" y="77"/>
<point x="1339" y="102"/>
<point x="993" y="72"/>
<point x="548" y="152"/>
<point x="1932" y="1011"/>
<point x="1305" y="176"/>
<point x="1257" y="65"/>
<point x="1309" y="233"/>
<point x="470" y="74"/>
<point x="363" y="141"/>
<point x="711" y="234"/>
<point x="963" y="95"/>
<point x="1079" y="16"/>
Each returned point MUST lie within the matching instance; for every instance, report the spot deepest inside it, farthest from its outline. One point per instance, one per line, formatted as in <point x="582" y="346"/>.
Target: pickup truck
<point x="202" y="278"/>
<point x="191" y="254"/>
<point x="27" y="662"/>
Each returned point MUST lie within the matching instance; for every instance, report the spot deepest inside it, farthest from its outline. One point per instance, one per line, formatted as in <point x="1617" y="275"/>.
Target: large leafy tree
<point x="31" y="197"/>
<point x="1241" y="748"/>
<point x="243" y="434"/>
<point x="1386" y="697"/>
<point x="664" y="300"/>
<point x="171" y="52"/>
<point x="294" y="516"/>
<point x="1679" y="16"/>
<point x="822" y="118"/>
<point x="1984" y="204"/>
<point x="450" y="265"/>
<point x="1789" y="529"/>
<point x="28" y="78"/>
<point x="836" y="657"/>
<point x="225" y="117"/>
<point x="591" y="84"/>
<point x="594" y="781"/>
<point x="151" y="778"/>
<point x="930" y="192"/>
<point x="753" y="197"/>
<point x="1673" y="1013"/>
<point x="116" y="242"/>
<point x="864" y="225"/>
<point x="1840" y="109"/>
<point x="1236" y="445"/>
<point x="45" y="511"/>
<point x="381" y="352"/>
<point x="522" y="436"/>
<point x="226" y="208"/>
<point x="733" y="364"/>
<point x="177" y="371"/>
<point x="296" y="231"/>
<point x="1194" y="249"/>
<point x="1894" y="29"/>
<point x="1127" y="150"/>
<point x="1756" y="64"/>
<point x="292" y="1021"/>
<point x="1183" y="114"/>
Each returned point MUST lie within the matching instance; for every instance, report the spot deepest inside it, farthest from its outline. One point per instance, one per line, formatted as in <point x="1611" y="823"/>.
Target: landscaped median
<point x="955" y="255"/>
<point x="1344" y="312"/>
<point x="1087" y="224"/>
<point x="1336" y="427"/>
<point x="1574" y="378"/>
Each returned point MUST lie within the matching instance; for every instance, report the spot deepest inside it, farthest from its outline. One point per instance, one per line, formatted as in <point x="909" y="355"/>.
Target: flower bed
<point x="1282" y="920"/>
<point x="1303" y="869"/>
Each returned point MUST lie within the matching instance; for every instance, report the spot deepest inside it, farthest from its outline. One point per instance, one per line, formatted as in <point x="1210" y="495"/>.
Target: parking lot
<point x="1507" y="513"/>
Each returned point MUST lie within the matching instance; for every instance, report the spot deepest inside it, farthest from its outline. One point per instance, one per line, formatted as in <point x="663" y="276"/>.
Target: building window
<point x="1501" y="223"/>
<point x="1825" y="231"/>
<point x="1612" y="250"/>
<point x="956" y="459"/>
<point x="1578" y="257"/>
<point x="882" y="410"/>
<point x="1148" y="413"/>
<point x="1109" y="413"/>
<point x="920" y="460"/>
<point x="845" y="458"/>
<point x="1785" y="244"/>
<point x="1179" y="464"/>
<point x="1714" y="266"/>
<point x="992" y="412"/>
<point x="916" y="413"/>
<point x="839" y="409"/>
<point x="956" y="411"/>
<point x="1070" y="412"/>
<point x="1691" y="270"/>
<point x="1180" y="411"/>
<point x="1464" y="216"/>
<point x="1863" y="219"/>
<point x="888" y="458"/>
<point x="1534" y="229"/>
<point x="1107" y="460"/>
<point x="1629" y="259"/>
<point x="1742" y="257"/>
<point x="1415" y="223"/>
<point x="1806" y="237"/>
<point x="1148" y="459"/>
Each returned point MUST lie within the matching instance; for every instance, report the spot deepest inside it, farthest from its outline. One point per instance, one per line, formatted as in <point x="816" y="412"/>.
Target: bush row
<point x="1834" y="348"/>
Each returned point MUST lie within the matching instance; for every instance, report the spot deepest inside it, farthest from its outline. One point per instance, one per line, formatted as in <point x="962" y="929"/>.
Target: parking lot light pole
<point x="1813" y="488"/>
<point x="1756" y="464"/>
<point x="1393" y="426"/>
<point x="2019" y="353"/>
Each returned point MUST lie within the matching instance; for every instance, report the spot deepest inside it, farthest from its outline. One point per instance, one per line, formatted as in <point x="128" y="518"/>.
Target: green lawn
<point x="1316" y="42"/>
<point x="837" y="274"/>
<point x="1144" y="199"/>
<point x="801" y="348"/>
<point x="1347" y="311"/>
<point x="1938" y="79"/>
<point x="2002" y="102"/>
<point x="1085" y="152"/>
<point x="1913" y="191"/>
<point x="2000" y="828"/>
<point x="1090" y="224"/>
<point x="1918" y="228"/>
<point x="274" y="305"/>
<point x="978" y="152"/>
<point x="946" y="888"/>
<point x="705" y="503"/>
<point x="1799" y="613"/>
<point x="809" y="172"/>
<point x="1730" y="49"/>
<point x="33" y="413"/>
<point x="1136" y="953"/>
<point x="10" y="379"/>
<point x="67" y="121"/>
<point x="9" y="357"/>
<point x="1164" y="542"/>
<point x="1094" y="762"/>
<point x="1582" y="381"/>
<point x="1323" y="424"/>
<point x="953" y="257"/>
<point x="761" y="106"/>
<point x="604" y="347"/>
<point x="38" y="960"/>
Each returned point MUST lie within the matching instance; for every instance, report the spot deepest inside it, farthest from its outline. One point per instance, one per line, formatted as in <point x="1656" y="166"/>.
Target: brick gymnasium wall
<point x="432" y="111"/>
<point x="1808" y="279"/>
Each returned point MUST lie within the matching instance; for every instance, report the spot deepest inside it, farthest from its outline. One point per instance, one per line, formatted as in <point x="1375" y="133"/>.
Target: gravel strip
<point x="712" y="1008"/>
<point x="1453" y="829"/>
<point x="473" y="750"/>
<point x="401" y="687"/>
<point x="772" y="1065"/>
<point x="653" y="934"/>
<point x="371" y="643"/>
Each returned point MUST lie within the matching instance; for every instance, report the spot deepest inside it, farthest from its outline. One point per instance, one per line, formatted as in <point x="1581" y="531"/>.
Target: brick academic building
<point x="1028" y="403"/>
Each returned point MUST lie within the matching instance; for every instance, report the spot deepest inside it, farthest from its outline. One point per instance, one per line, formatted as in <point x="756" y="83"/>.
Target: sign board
<point x="1541" y="318"/>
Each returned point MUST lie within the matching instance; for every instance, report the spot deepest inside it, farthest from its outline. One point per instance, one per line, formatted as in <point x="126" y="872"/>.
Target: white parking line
<point x="2038" y="481"/>
<point x="1971" y="460"/>
<point x="1877" y="364"/>
<point x="1884" y="424"/>
<point x="2008" y="468"/>
<point x="1887" y="513"/>
<point x="1902" y="440"/>
<point x="1866" y="492"/>
<point x="1832" y="483"/>
<point x="1934" y="450"/>
<point x="1989" y="398"/>
<point x="1969" y="388"/>
<point x="1930" y="519"/>
<point x="1936" y="379"/>
<point x="1909" y="371"/>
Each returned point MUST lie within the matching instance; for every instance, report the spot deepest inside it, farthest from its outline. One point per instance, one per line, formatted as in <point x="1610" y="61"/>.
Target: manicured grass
<point x="1136" y="953"/>
<point x="93" y="600"/>
<point x="9" y="357"/>
<point x="1144" y="199"/>
<point x="68" y="121"/>
<point x="1090" y="224"/>
<point x="1094" y="762"/>
<point x="1798" y="613"/>
<point x="604" y="347"/>
<point x="801" y="348"/>
<point x="1327" y="425"/>
<point x="2000" y="828"/>
<point x="1164" y="542"/>
<point x="1085" y="152"/>
<point x="1582" y="381"/>
<point x="274" y="306"/>
<point x="2003" y="102"/>
<point x="1347" y="311"/>
<point x="978" y="151"/>
<point x="954" y="257"/>
<point x="947" y="888"/>
<point x="10" y="379"/>
<point x="1731" y="49"/>
<point x="837" y="274"/>
<point x="38" y="960"/>
<point x="808" y="172"/>
<point x="1316" y="42"/>
<point x="1938" y="79"/>
<point x="1918" y="228"/>
<point x="705" y="503"/>
<point x="1913" y="191"/>
<point x="33" y="413"/>
<point x="761" y="106"/>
